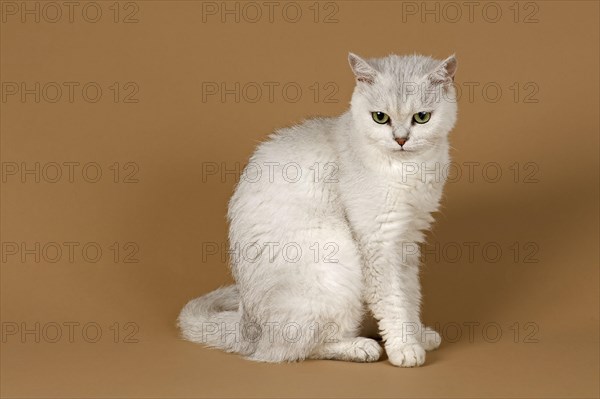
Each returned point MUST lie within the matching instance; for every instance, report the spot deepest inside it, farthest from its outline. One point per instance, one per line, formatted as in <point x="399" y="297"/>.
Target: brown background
<point x="170" y="133"/>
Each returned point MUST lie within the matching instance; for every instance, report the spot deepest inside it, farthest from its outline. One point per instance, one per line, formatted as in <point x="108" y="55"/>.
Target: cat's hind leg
<point x="431" y="339"/>
<point x="356" y="349"/>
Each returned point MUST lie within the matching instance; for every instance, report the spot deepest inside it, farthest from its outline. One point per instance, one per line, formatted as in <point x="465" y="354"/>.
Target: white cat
<point x="326" y="221"/>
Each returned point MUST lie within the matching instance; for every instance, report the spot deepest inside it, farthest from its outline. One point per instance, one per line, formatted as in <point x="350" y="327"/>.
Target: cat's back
<point x="294" y="170"/>
<point x="309" y="141"/>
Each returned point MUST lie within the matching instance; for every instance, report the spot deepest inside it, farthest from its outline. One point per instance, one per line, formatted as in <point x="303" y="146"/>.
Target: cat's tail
<point x="213" y="319"/>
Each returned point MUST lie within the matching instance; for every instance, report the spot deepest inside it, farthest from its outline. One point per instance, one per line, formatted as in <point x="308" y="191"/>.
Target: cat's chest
<point x="397" y="192"/>
<point x="391" y="207"/>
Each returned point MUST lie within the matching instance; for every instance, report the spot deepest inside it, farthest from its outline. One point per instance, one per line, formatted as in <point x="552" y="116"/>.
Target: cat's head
<point x="403" y="105"/>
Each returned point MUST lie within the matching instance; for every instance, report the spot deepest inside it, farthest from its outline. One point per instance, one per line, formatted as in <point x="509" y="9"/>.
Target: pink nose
<point x="401" y="141"/>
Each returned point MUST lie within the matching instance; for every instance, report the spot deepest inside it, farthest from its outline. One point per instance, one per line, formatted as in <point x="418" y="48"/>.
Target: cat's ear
<point x="361" y="68"/>
<point x="445" y="71"/>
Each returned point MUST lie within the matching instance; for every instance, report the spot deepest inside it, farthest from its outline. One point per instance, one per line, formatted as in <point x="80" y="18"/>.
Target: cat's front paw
<point x="408" y="355"/>
<point x="431" y="339"/>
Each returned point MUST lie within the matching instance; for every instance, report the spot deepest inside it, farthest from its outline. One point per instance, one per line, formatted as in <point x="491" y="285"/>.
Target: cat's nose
<point x="401" y="140"/>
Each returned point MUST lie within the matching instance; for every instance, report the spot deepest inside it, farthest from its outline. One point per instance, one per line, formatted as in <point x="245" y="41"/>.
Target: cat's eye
<point x="422" y="117"/>
<point x="380" y="117"/>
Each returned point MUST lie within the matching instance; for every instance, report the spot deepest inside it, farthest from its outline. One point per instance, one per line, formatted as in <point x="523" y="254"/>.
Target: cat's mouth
<point x="401" y="145"/>
<point x="401" y="141"/>
<point x="410" y="147"/>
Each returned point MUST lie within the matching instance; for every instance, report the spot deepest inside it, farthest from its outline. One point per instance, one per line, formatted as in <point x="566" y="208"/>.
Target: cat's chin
<point x="407" y="151"/>
<point x="411" y="149"/>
